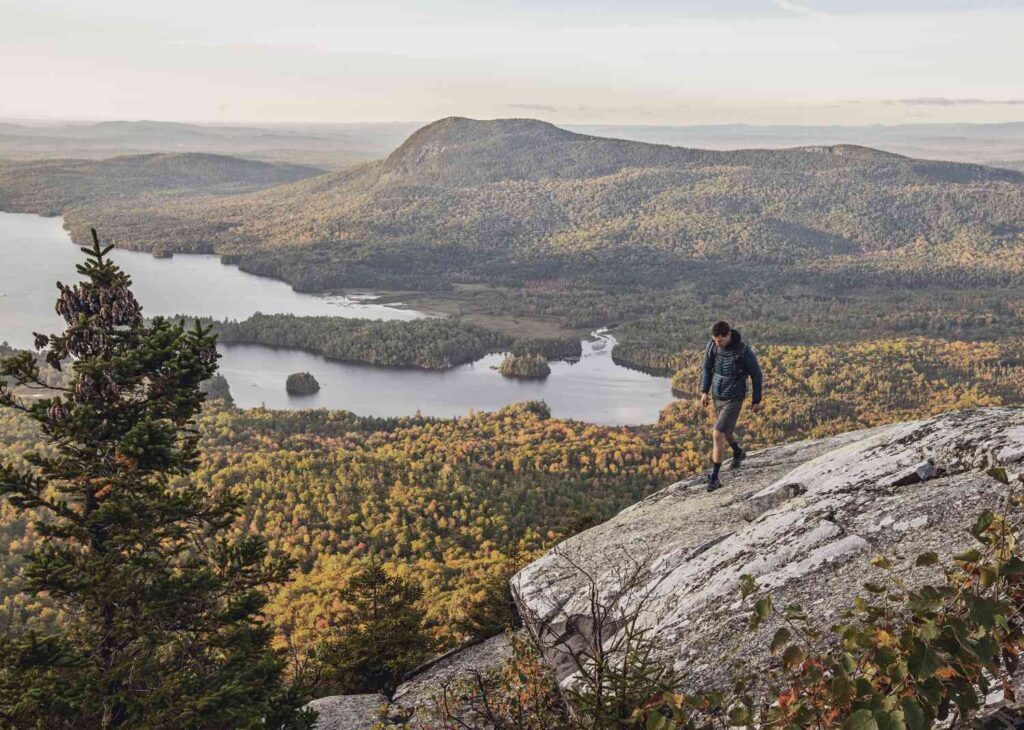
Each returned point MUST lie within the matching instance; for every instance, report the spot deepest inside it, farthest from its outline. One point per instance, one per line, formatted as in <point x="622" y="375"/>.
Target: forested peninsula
<point x="430" y="343"/>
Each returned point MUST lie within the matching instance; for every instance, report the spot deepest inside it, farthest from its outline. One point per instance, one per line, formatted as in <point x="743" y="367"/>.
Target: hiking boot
<point x="713" y="483"/>
<point x="737" y="459"/>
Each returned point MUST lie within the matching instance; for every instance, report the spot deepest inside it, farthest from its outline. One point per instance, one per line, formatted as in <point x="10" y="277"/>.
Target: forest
<point x="455" y="505"/>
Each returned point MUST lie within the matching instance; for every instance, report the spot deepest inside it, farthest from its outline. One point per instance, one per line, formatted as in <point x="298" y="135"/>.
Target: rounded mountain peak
<point x="457" y="147"/>
<point x="462" y="130"/>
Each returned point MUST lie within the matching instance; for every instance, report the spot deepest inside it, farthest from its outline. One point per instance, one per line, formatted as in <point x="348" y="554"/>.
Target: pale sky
<point x="568" y="61"/>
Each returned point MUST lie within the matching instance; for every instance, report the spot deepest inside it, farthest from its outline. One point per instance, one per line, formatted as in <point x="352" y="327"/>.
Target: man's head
<point x="721" y="333"/>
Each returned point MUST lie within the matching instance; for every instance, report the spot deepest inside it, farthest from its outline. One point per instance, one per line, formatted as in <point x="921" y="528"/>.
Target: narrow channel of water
<point x="35" y="253"/>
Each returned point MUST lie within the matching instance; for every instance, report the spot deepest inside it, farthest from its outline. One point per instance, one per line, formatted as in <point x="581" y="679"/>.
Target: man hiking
<point x="728" y="360"/>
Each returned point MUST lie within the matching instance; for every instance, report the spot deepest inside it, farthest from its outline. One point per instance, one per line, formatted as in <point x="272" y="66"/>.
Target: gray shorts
<point x="727" y="412"/>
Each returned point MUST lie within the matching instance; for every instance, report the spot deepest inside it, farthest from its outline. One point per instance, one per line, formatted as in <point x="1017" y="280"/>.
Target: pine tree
<point x="491" y="609"/>
<point x="382" y="637"/>
<point x="160" y="610"/>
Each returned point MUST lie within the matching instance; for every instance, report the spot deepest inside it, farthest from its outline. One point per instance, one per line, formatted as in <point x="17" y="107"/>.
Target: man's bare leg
<point x="718" y="443"/>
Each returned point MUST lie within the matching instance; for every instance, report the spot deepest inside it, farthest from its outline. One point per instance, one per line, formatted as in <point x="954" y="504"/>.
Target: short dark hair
<point x="720" y="328"/>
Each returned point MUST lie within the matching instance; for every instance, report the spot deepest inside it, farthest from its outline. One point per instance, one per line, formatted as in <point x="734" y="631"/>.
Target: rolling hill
<point x="996" y="144"/>
<point x="51" y="187"/>
<point x="518" y="200"/>
<point x="325" y="145"/>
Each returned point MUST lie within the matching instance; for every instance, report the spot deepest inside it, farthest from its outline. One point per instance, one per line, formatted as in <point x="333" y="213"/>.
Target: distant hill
<point x="336" y="145"/>
<point x="988" y="144"/>
<point x="50" y="187"/>
<point x="327" y="145"/>
<point x="515" y="200"/>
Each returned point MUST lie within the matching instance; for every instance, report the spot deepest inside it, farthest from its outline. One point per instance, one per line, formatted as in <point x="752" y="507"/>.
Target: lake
<point x="36" y="252"/>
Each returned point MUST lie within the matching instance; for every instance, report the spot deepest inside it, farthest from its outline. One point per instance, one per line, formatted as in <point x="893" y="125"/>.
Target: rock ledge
<point x="802" y="518"/>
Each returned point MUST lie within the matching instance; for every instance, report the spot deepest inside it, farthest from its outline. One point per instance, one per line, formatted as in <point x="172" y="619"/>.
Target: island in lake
<point x="524" y="366"/>
<point x="301" y="384"/>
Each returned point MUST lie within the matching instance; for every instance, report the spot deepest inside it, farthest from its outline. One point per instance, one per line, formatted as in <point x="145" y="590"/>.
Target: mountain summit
<point x="804" y="519"/>
<point x="460" y="151"/>
<point x="449" y="133"/>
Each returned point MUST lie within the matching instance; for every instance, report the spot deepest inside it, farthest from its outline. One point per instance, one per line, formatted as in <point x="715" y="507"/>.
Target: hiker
<point x="728" y="360"/>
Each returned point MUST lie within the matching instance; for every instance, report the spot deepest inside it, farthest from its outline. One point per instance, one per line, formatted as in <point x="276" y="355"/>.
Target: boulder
<point x="347" y="712"/>
<point x="415" y="696"/>
<point x="803" y="519"/>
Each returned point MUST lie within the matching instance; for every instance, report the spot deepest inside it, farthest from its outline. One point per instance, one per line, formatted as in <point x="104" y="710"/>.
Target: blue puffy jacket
<point x="724" y="370"/>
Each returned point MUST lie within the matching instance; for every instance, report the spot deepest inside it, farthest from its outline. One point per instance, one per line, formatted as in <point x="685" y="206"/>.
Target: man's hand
<point x="704" y="400"/>
<point x="755" y="407"/>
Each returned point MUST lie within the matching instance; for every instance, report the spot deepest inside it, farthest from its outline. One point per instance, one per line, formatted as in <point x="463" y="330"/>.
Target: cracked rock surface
<point x="418" y="693"/>
<point x="420" y="690"/>
<point x="802" y="518"/>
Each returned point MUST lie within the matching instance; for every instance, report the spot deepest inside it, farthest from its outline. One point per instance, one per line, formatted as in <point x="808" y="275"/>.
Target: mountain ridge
<point x="516" y="200"/>
<point x="531" y="149"/>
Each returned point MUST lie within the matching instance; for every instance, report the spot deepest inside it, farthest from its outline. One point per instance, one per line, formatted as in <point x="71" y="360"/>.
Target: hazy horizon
<point x="651" y="62"/>
<point x="256" y="124"/>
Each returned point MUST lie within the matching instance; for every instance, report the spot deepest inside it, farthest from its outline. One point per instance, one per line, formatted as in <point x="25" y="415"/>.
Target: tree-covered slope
<point x="450" y="502"/>
<point x="512" y="201"/>
<point x="55" y="186"/>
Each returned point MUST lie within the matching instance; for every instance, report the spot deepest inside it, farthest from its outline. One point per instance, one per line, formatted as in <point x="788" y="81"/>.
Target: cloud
<point x="534" y="107"/>
<point x="537" y="46"/>
<point x="799" y="9"/>
<point x="603" y="113"/>
<point x="944" y="101"/>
